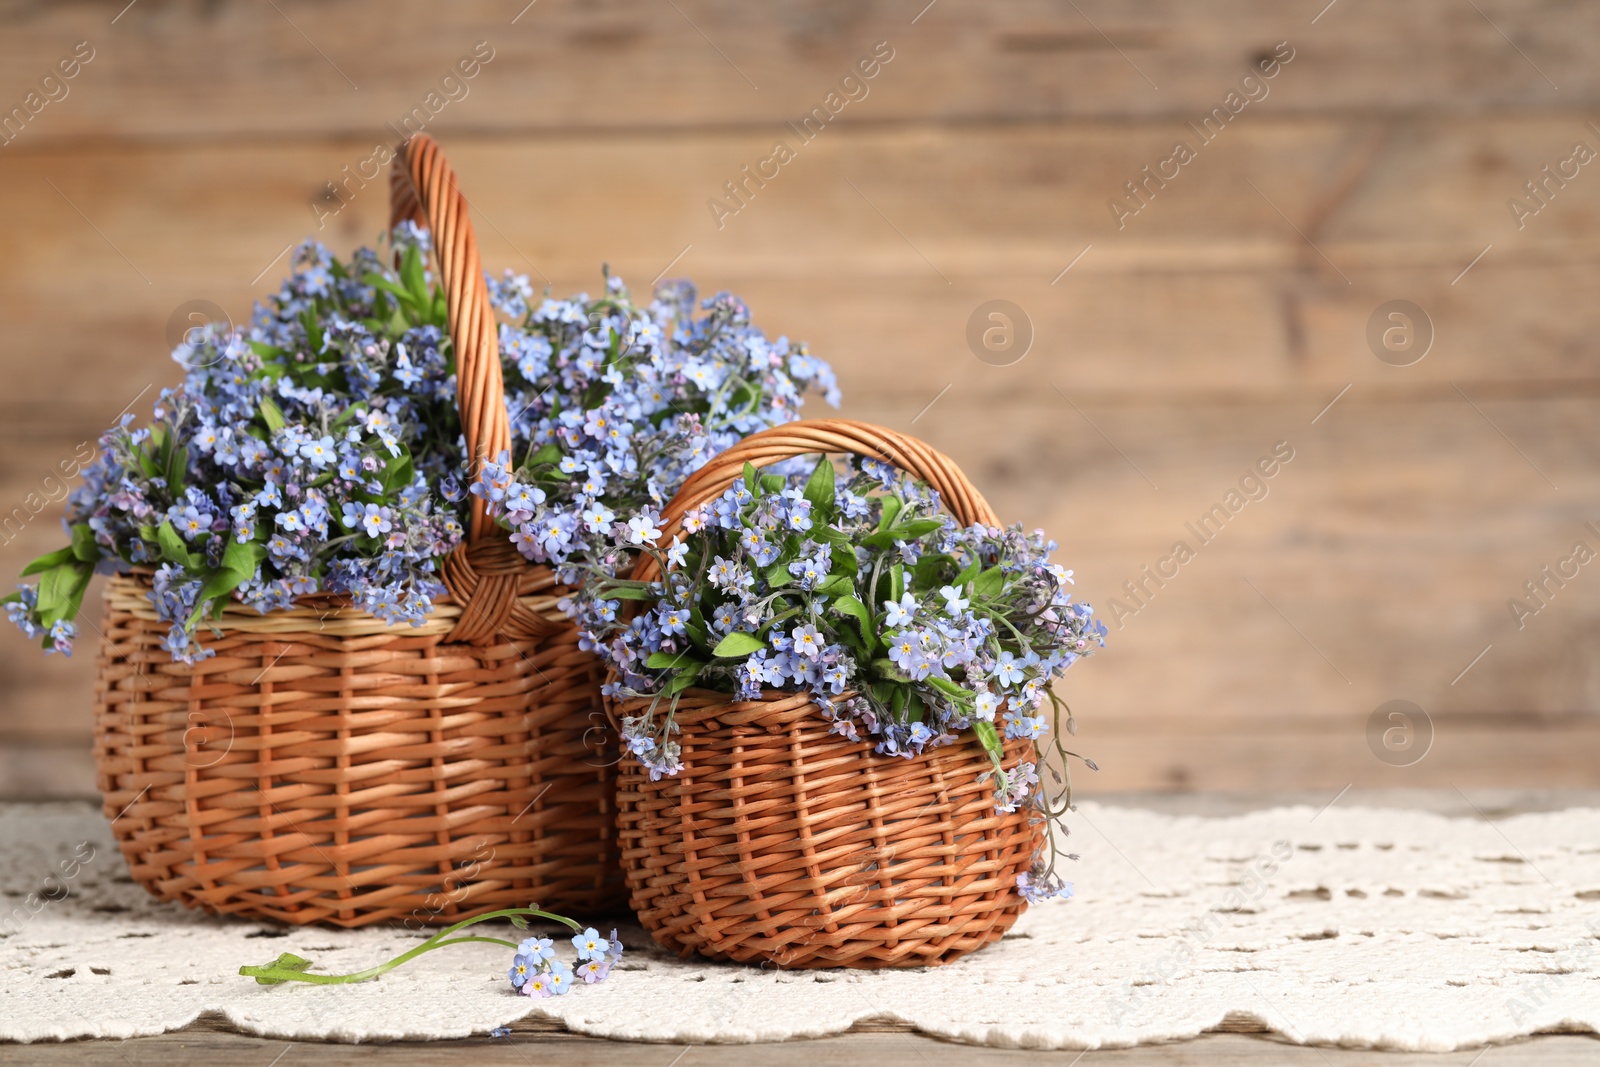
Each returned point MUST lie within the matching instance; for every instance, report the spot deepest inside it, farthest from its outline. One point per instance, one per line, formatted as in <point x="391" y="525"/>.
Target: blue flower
<point x="319" y="452"/>
<point x="677" y="553"/>
<point x="642" y="528"/>
<point x="954" y="603"/>
<point x="901" y="612"/>
<point x="538" y="948"/>
<point x="807" y="641"/>
<point x="559" y="977"/>
<point x="590" y="944"/>
<point x="62" y="633"/>
<point x="672" y="620"/>
<point x="1008" y="671"/>
<point x="375" y="520"/>
<point x="985" y="705"/>
<point x="523" y="967"/>
<point x="191" y="522"/>
<point x="523" y="497"/>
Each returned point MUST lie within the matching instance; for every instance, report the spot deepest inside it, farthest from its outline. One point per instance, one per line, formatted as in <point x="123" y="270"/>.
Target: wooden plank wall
<point x="1184" y="343"/>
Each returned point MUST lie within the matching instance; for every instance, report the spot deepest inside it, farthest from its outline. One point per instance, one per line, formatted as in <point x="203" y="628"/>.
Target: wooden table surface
<point x="200" y="1045"/>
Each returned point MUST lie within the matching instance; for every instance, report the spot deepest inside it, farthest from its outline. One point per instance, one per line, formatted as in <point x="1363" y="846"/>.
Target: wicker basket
<point x="783" y="842"/>
<point x="326" y="767"/>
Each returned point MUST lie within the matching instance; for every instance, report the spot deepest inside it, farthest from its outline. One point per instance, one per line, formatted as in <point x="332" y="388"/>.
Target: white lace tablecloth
<point x="1362" y="927"/>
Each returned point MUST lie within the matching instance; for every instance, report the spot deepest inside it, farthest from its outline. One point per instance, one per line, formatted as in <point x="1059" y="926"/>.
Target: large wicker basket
<point x="326" y="767"/>
<point x="782" y="842"/>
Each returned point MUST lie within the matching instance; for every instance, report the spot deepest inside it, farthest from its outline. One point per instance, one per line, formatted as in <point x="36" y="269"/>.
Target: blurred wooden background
<point x="1223" y="318"/>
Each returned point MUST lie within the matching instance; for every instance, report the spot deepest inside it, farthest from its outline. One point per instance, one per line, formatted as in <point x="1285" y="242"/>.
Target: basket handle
<point x="806" y="436"/>
<point x="485" y="572"/>
<point x="423" y="188"/>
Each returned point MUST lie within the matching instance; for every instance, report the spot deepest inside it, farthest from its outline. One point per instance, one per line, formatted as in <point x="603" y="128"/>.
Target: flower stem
<point x="291" y="968"/>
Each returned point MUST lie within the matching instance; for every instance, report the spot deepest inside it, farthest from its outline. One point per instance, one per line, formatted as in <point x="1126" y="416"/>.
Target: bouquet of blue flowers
<point x="903" y="625"/>
<point x="321" y="450"/>
<point x="615" y="404"/>
<point x="314" y="453"/>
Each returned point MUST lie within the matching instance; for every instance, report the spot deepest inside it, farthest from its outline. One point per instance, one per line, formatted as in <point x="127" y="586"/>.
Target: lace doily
<point x="1363" y="927"/>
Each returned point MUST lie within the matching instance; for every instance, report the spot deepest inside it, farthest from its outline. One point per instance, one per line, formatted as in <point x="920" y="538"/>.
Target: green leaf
<point x="990" y="583"/>
<point x="854" y="608"/>
<point x="897" y="581"/>
<point x="382" y="284"/>
<point x="737" y="644"/>
<point x="949" y="688"/>
<point x="550" y="453"/>
<point x="750" y="477"/>
<point x="672" y="661"/>
<point x="398" y="471"/>
<point x="83" y="543"/>
<point x="48" y="561"/>
<point x="276" y="972"/>
<point x="415" y="279"/>
<point x="837" y="538"/>
<point x="172" y="547"/>
<point x="272" y="414"/>
<point x="836" y="585"/>
<point x="685" y="679"/>
<point x="61" y="591"/>
<point x="238" y="566"/>
<point x="242" y="559"/>
<point x="989" y="737"/>
<point x="916" y="710"/>
<point x="313" y="328"/>
<point x="631" y="591"/>
<point x="916" y="528"/>
<point x="928" y="571"/>
<point x="177" y="470"/>
<point x="778" y="574"/>
<point x="885" y="668"/>
<point x="891" y="510"/>
<point x="843" y="561"/>
<point x="819" y="488"/>
<point x="772" y="623"/>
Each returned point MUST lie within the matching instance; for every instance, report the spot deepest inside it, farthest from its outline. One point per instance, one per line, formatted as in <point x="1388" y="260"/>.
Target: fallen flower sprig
<point x="535" y="970"/>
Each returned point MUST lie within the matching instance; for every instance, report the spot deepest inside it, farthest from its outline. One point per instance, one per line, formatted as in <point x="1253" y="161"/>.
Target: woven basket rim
<point x="331" y="614"/>
<point x="773" y="706"/>
<point x="774" y="709"/>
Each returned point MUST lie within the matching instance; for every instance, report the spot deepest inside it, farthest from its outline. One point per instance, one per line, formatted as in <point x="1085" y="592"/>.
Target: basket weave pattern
<point x="783" y="842"/>
<point x="323" y="766"/>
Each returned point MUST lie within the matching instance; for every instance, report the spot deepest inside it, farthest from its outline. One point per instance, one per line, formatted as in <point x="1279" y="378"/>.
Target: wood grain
<point x="1209" y="291"/>
<point x="203" y="1045"/>
<point x="1224" y="316"/>
<point x="309" y="68"/>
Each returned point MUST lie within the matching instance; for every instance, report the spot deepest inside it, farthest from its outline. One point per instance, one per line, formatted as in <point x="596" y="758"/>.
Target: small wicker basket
<point x="323" y="766"/>
<point x="780" y="841"/>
